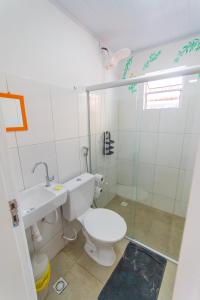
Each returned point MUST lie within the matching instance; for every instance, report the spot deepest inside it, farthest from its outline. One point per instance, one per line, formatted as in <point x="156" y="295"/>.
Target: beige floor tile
<point x="86" y="278"/>
<point x="167" y="286"/>
<point x="155" y="228"/>
<point x="81" y="286"/>
<point x="74" y="250"/>
<point x="60" y="265"/>
<point x="100" y="272"/>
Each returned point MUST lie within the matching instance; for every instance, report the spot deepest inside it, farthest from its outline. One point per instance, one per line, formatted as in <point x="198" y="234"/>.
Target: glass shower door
<point x="155" y="129"/>
<point x="167" y="136"/>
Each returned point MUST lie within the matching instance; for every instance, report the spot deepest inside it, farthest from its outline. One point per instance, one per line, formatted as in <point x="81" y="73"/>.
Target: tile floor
<point x="159" y="230"/>
<point x="86" y="278"/>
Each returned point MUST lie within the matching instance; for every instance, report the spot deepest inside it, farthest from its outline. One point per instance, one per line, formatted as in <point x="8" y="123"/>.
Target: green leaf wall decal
<point x="152" y="57"/>
<point x="191" y="46"/>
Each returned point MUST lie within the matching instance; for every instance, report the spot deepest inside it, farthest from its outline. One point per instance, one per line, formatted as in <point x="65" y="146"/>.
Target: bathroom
<point x="88" y="93"/>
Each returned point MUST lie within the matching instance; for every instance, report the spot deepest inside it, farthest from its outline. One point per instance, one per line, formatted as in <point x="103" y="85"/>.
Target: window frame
<point x="162" y="103"/>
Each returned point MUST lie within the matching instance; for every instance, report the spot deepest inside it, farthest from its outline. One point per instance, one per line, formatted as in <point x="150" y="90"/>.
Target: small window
<point x="163" y="93"/>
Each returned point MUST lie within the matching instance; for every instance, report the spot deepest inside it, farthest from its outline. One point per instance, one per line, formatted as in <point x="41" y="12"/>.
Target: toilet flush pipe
<point x="71" y="239"/>
<point x="35" y="233"/>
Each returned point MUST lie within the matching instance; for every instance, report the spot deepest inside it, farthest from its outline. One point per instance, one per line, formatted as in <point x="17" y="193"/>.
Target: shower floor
<point x="155" y="228"/>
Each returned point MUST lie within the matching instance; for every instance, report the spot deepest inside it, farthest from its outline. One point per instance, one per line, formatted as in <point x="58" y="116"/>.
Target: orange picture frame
<point x="19" y="98"/>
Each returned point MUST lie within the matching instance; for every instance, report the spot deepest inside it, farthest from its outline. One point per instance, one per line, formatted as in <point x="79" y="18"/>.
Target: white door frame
<point x="187" y="284"/>
<point x="16" y="277"/>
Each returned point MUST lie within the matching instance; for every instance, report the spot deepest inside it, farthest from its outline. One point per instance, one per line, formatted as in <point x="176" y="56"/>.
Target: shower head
<point x="112" y="60"/>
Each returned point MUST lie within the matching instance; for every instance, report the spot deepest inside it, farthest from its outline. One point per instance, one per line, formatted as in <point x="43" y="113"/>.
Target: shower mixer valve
<point x="107" y="144"/>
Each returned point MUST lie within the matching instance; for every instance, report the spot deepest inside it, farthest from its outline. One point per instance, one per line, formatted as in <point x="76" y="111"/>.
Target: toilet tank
<point x="80" y="193"/>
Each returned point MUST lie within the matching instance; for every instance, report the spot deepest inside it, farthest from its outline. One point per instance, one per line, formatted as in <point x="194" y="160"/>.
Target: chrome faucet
<point x="48" y="179"/>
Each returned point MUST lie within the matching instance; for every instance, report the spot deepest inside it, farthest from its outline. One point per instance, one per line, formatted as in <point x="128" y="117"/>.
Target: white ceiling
<point x="136" y="24"/>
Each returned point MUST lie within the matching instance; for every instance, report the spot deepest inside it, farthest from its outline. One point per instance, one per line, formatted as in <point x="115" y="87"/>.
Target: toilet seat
<point x="105" y="225"/>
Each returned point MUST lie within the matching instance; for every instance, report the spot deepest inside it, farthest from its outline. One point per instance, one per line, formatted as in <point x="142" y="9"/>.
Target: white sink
<point x="38" y="201"/>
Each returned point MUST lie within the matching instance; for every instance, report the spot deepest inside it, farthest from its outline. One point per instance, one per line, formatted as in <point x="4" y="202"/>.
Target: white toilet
<point x="101" y="227"/>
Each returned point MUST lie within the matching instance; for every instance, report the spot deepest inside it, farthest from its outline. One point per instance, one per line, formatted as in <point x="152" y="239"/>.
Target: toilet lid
<point x="105" y="225"/>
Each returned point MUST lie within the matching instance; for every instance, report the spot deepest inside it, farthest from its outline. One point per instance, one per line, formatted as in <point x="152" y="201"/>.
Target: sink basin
<point x="39" y="201"/>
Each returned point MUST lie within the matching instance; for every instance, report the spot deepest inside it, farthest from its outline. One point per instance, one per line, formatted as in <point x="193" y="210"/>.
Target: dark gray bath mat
<point x="138" y="276"/>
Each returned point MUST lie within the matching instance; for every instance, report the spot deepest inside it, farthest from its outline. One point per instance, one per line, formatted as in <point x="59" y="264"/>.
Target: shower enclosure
<point x="143" y="139"/>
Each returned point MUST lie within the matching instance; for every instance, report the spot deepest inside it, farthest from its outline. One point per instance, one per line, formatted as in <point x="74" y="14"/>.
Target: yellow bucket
<point x="43" y="281"/>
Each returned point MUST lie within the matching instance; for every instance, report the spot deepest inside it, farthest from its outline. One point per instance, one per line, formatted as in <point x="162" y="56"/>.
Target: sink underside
<point x="39" y="201"/>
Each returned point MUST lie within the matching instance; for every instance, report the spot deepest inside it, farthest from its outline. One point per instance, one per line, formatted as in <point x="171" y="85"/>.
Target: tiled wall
<point x="104" y="117"/>
<point x="157" y="149"/>
<point x="57" y="131"/>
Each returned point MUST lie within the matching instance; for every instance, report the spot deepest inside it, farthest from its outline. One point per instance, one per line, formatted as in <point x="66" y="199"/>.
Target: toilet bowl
<point x="102" y="227"/>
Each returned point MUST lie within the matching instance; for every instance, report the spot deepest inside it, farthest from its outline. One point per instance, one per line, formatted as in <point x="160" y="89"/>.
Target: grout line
<point x="151" y="164"/>
<point x="20" y="161"/>
<point x="77" y="95"/>
<point x="17" y="146"/>
<point x="83" y="267"/>
<point x="155" y="160"/>
<point x="181" y="156"/>
<point x="54" y="131"/>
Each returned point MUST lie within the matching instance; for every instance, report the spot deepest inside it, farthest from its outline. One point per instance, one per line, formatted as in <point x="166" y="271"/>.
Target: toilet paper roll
<point x="97" y="192"/>
<point x="99" y="179"/>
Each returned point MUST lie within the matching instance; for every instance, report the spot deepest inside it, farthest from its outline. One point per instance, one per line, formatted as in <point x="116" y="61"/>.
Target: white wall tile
<point x="93" y="153"/>
<point x="100" y="157"/>
<point x="145" y="177"/>
<point x="126" y="172"/>
<point x="68" y="157"/>
<point x="97" y="113"/>
<point x="143" y="196"/>
<point x="125" y="191"/>
<point x="93" y="113"/>
<point x="29" y="155"/>
<point x="148" y="147"/>
<point x="163" y="203"/>
<point x="11" y="139"/>
<point x="16" y="169"/>
<point x="54" y="246"/>
<point x="100" y="113"/>
<point x="3" y="86"/>
<point x="190" y="145"/>
<point x="10" y="136"/>
<point x="149" y="120"/>
<point x="127" y="145"/>
<point x="173" y="120"/>
<point x="111" y="110"/>
<point x="112" y="174"/>
<point x="184" y="186"/>
<point x="169" y="150"/>
<point x="111" y="159"/>
<point x="180" y="208"/>
<point x="38" y="110"/>
<point x="65" y="113"/>
<point x="166" y="181"/>
<point x="48" y="231"/>
<point x="112" y="181"/>
<point x="82" y="114"/>
<point x="128" y="113"/>
<point x="83" y="142"/>
<point x="193" y="121"/>
<point x="109" y="185"/>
